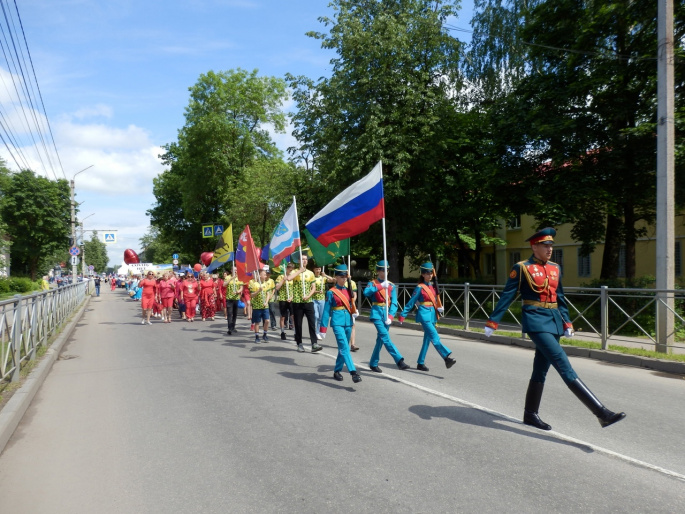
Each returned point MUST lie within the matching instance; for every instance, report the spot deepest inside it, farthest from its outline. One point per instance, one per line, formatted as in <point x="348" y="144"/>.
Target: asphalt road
<point x="183" y="418"/>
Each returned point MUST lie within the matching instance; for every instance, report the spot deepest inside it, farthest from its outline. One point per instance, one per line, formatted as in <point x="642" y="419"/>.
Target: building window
<point x="583" y="265"/>
<point x="676" y="265"/>
<point x="514" y="257"/>
<point x="514" y="223"/>
<point x="558" y="257"/>
<point x="489" y="264"/>
<point x="621" y="262"/>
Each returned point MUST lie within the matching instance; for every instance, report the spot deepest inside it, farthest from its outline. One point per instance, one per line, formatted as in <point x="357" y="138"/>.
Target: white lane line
<point x="501" y="415"/>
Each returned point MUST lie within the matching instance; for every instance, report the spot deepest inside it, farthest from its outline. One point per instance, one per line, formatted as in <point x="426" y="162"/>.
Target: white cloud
<point x="95" y="111"/>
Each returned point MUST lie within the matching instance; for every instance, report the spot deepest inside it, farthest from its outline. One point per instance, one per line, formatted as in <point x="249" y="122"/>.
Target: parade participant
<point x="260" y="291"/>
<point x="381" y="316"/>
<point x="207" y="297"/>
<point x="353" y="285"/>
<point x="189" y="293"/>
<point x="303" y="287"/>
<point x="319" y="296"/>
<point x="245" y="296"/>
<point x="284" y="288"/>
<point x="545" y="318"/>
<point x="113" y="284"/>
<point x="148" y="286"/>
<point x="338" y="311"/>
<point x="234" y="288"/>
<point x="220" y="293"/>
<point x="425" y="297"/>
<point x="166" y="290"/>
<point x="272" y="300"/>
<point x="179" y="297"/>
<point x="157" y="306"/>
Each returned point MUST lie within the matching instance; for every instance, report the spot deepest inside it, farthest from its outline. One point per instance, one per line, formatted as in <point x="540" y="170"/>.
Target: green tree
<point x="394" y="76"/>
<point x="218" y="157"/>
<point x="95" y="253"/>
<point x="36" y="211"/>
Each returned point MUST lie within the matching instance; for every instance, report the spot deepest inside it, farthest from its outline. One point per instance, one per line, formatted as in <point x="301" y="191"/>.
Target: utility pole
<point x="73" y="219"/>
<point x="665" y="210"/>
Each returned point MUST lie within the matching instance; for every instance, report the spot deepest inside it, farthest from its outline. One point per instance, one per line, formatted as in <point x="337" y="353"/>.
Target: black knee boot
<point x="604" y="415"/>
<point x="530" y="412"/>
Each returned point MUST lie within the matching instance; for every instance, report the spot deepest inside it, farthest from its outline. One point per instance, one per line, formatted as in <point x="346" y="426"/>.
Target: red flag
<point x="246" y="256"/>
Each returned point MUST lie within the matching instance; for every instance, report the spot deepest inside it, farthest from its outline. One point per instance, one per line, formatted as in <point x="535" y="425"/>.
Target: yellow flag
<point x="224" y="249"/>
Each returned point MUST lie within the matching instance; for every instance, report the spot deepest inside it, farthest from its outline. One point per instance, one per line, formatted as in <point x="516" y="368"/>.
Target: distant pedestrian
<point x="96" y="281"/>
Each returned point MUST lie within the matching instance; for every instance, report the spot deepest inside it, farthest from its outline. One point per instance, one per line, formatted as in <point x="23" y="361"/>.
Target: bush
<point x="21" y="285"/>
<point x="4" y="285"/>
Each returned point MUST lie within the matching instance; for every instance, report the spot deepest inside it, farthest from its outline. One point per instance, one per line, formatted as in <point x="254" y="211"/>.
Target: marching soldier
<point x="545" y="318"/>
<point x="425" y="297"/>
<point x="339" y="311"/>
<point x="382" y="315"/>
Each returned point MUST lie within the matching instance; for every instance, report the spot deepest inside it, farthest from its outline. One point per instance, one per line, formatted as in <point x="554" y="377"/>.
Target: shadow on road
<point x="287" y="361"/>
<point x="466" y="415"/>
<point x="327" y="381"/>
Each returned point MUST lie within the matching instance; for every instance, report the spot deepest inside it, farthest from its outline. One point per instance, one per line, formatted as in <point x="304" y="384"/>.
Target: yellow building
<point x="577" y="270"/>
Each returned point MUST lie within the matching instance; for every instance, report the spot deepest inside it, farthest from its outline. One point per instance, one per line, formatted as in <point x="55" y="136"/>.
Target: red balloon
<point x="206" y="258"/>
<point x="131" y="257"/>
<point x="198" y="267"/>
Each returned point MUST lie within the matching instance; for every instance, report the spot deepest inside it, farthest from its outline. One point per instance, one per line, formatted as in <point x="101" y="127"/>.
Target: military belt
<point x="379" y="304"/>
<point x="426" y="304"/>
<point x="338" y="308"/>
<point x="544" y="305"/>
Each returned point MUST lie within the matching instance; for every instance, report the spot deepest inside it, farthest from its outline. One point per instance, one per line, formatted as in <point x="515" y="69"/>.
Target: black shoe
<point x="283" y="335"/>
<point x="376" y="369"/>
<point x="316" y="348"/>
<point x="356" y="378"/>
<point x="532" y="419"/>
<point x="403" y="365"/>
<point x="449" y="362"/>
<point x="229" y="332"/>
<point x="421" y="367"/>
<point x="338" y="376"/>
<point x="604" y="415"/>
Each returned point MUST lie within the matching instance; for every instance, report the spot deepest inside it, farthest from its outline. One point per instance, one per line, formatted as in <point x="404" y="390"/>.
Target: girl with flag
<point x="338" y="311"/>
<point x="425" y="297"/>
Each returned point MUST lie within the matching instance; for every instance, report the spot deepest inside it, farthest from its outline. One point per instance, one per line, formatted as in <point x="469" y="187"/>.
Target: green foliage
<point x="18" y="285"/>
<point x="95" y="253"/>
<point x="36" y="212"/>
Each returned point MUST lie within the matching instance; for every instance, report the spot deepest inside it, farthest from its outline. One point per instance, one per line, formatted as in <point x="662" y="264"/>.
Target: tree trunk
<point x="630" y="239"/>
<point x="612" y="246"/>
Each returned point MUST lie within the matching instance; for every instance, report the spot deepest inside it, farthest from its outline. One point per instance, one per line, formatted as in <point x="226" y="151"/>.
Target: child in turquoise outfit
<point x="424" y="297"/>
<point x="337" y="311"/>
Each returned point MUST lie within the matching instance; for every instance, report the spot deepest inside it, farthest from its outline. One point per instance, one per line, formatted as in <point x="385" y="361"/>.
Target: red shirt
<point x="149" y="285"/>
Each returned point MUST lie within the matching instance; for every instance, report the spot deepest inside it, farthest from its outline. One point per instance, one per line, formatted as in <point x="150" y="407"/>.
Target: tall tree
<point x="36" y="212"/>
<point x="395" y="72"/>
<point x="95" y="253"/>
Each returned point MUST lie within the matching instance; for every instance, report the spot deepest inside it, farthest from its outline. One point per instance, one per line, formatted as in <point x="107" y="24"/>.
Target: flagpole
<point x="298" y="229"/>
<point x="385" y="254"/>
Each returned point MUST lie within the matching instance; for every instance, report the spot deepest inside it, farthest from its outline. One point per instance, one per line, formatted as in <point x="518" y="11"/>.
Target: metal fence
<point x="27" y="322"/>
<point x="606" y="315"/>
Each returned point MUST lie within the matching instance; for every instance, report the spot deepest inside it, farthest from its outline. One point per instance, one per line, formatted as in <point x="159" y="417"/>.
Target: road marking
<point x="501" y="415"/>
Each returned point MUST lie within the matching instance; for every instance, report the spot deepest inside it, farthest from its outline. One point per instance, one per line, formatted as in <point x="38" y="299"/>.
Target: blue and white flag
<point x="286" y="236"/>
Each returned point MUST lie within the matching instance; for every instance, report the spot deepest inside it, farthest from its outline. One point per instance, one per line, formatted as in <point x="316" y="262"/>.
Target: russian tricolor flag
<point x="351" y="212"/>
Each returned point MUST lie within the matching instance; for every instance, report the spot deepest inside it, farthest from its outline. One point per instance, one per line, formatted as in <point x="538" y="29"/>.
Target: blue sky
<point x="114" y="77"/>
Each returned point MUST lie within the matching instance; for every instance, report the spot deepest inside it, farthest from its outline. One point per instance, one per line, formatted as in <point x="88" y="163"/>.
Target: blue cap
<point x="544" y="236"/>
<point x="427" y="267"/>
<point x="382" y="265"/>
<point x="341" y="270"/>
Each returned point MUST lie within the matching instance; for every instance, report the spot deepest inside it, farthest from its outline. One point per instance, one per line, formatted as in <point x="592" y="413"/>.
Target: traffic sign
<point x="174" y="256"/>
<point x="74" y="260"/>
<point x="74" y="250"/>
<point x="174" y="262"/>
<point x="91" y="267"/>
<point x="218" y="230"/>
<point x="109" y="237"/>
<point x="207" y="231"/>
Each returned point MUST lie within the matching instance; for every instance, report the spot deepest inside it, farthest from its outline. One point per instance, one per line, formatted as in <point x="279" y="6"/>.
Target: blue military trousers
<point x="383" y="339"/>
<point x="549" y="351"/>
<point x="430" y="335"/>
<point x="342" y="337"/>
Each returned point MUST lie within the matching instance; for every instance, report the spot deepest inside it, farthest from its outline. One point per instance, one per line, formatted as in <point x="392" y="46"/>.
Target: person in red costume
<point x="166" y="293"/>
<point x="149" y="287"/>
<point x="207" y="297"/>
<point x="189" y="294"/>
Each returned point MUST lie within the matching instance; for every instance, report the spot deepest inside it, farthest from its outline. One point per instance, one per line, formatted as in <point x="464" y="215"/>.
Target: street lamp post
<point x="83" y="250"/>
<point x="73" y="218"/>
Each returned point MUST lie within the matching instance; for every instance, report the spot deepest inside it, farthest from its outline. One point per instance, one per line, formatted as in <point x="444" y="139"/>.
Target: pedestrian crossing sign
<point x="109" y="237"/>
<point x="218" y="230"/>
<point x="207" y="231"/>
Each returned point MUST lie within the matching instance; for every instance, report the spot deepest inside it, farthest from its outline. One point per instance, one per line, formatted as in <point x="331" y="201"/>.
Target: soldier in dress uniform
<point x="381" y="316"/>
<point x="425" y="298"/>
<point x="338" y="311"/>
<point x="545" y="318"/>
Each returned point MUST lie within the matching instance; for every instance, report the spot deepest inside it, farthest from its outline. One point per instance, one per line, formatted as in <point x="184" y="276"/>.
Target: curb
<point x="14" y="410"/>
<point x="664" y="366"/>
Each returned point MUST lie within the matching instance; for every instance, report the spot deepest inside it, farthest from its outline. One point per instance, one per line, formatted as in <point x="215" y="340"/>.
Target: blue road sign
<point x="218" y="230"/>
<point x="74" y="250"/>
<point x="207" y="231"/>
<point x="174" y="256"/>
<point x="110" y="237"/>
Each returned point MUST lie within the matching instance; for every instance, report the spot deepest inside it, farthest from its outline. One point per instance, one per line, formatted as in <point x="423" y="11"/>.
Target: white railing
<point x="606" y="314"/>
<point x="27" y="322"/>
